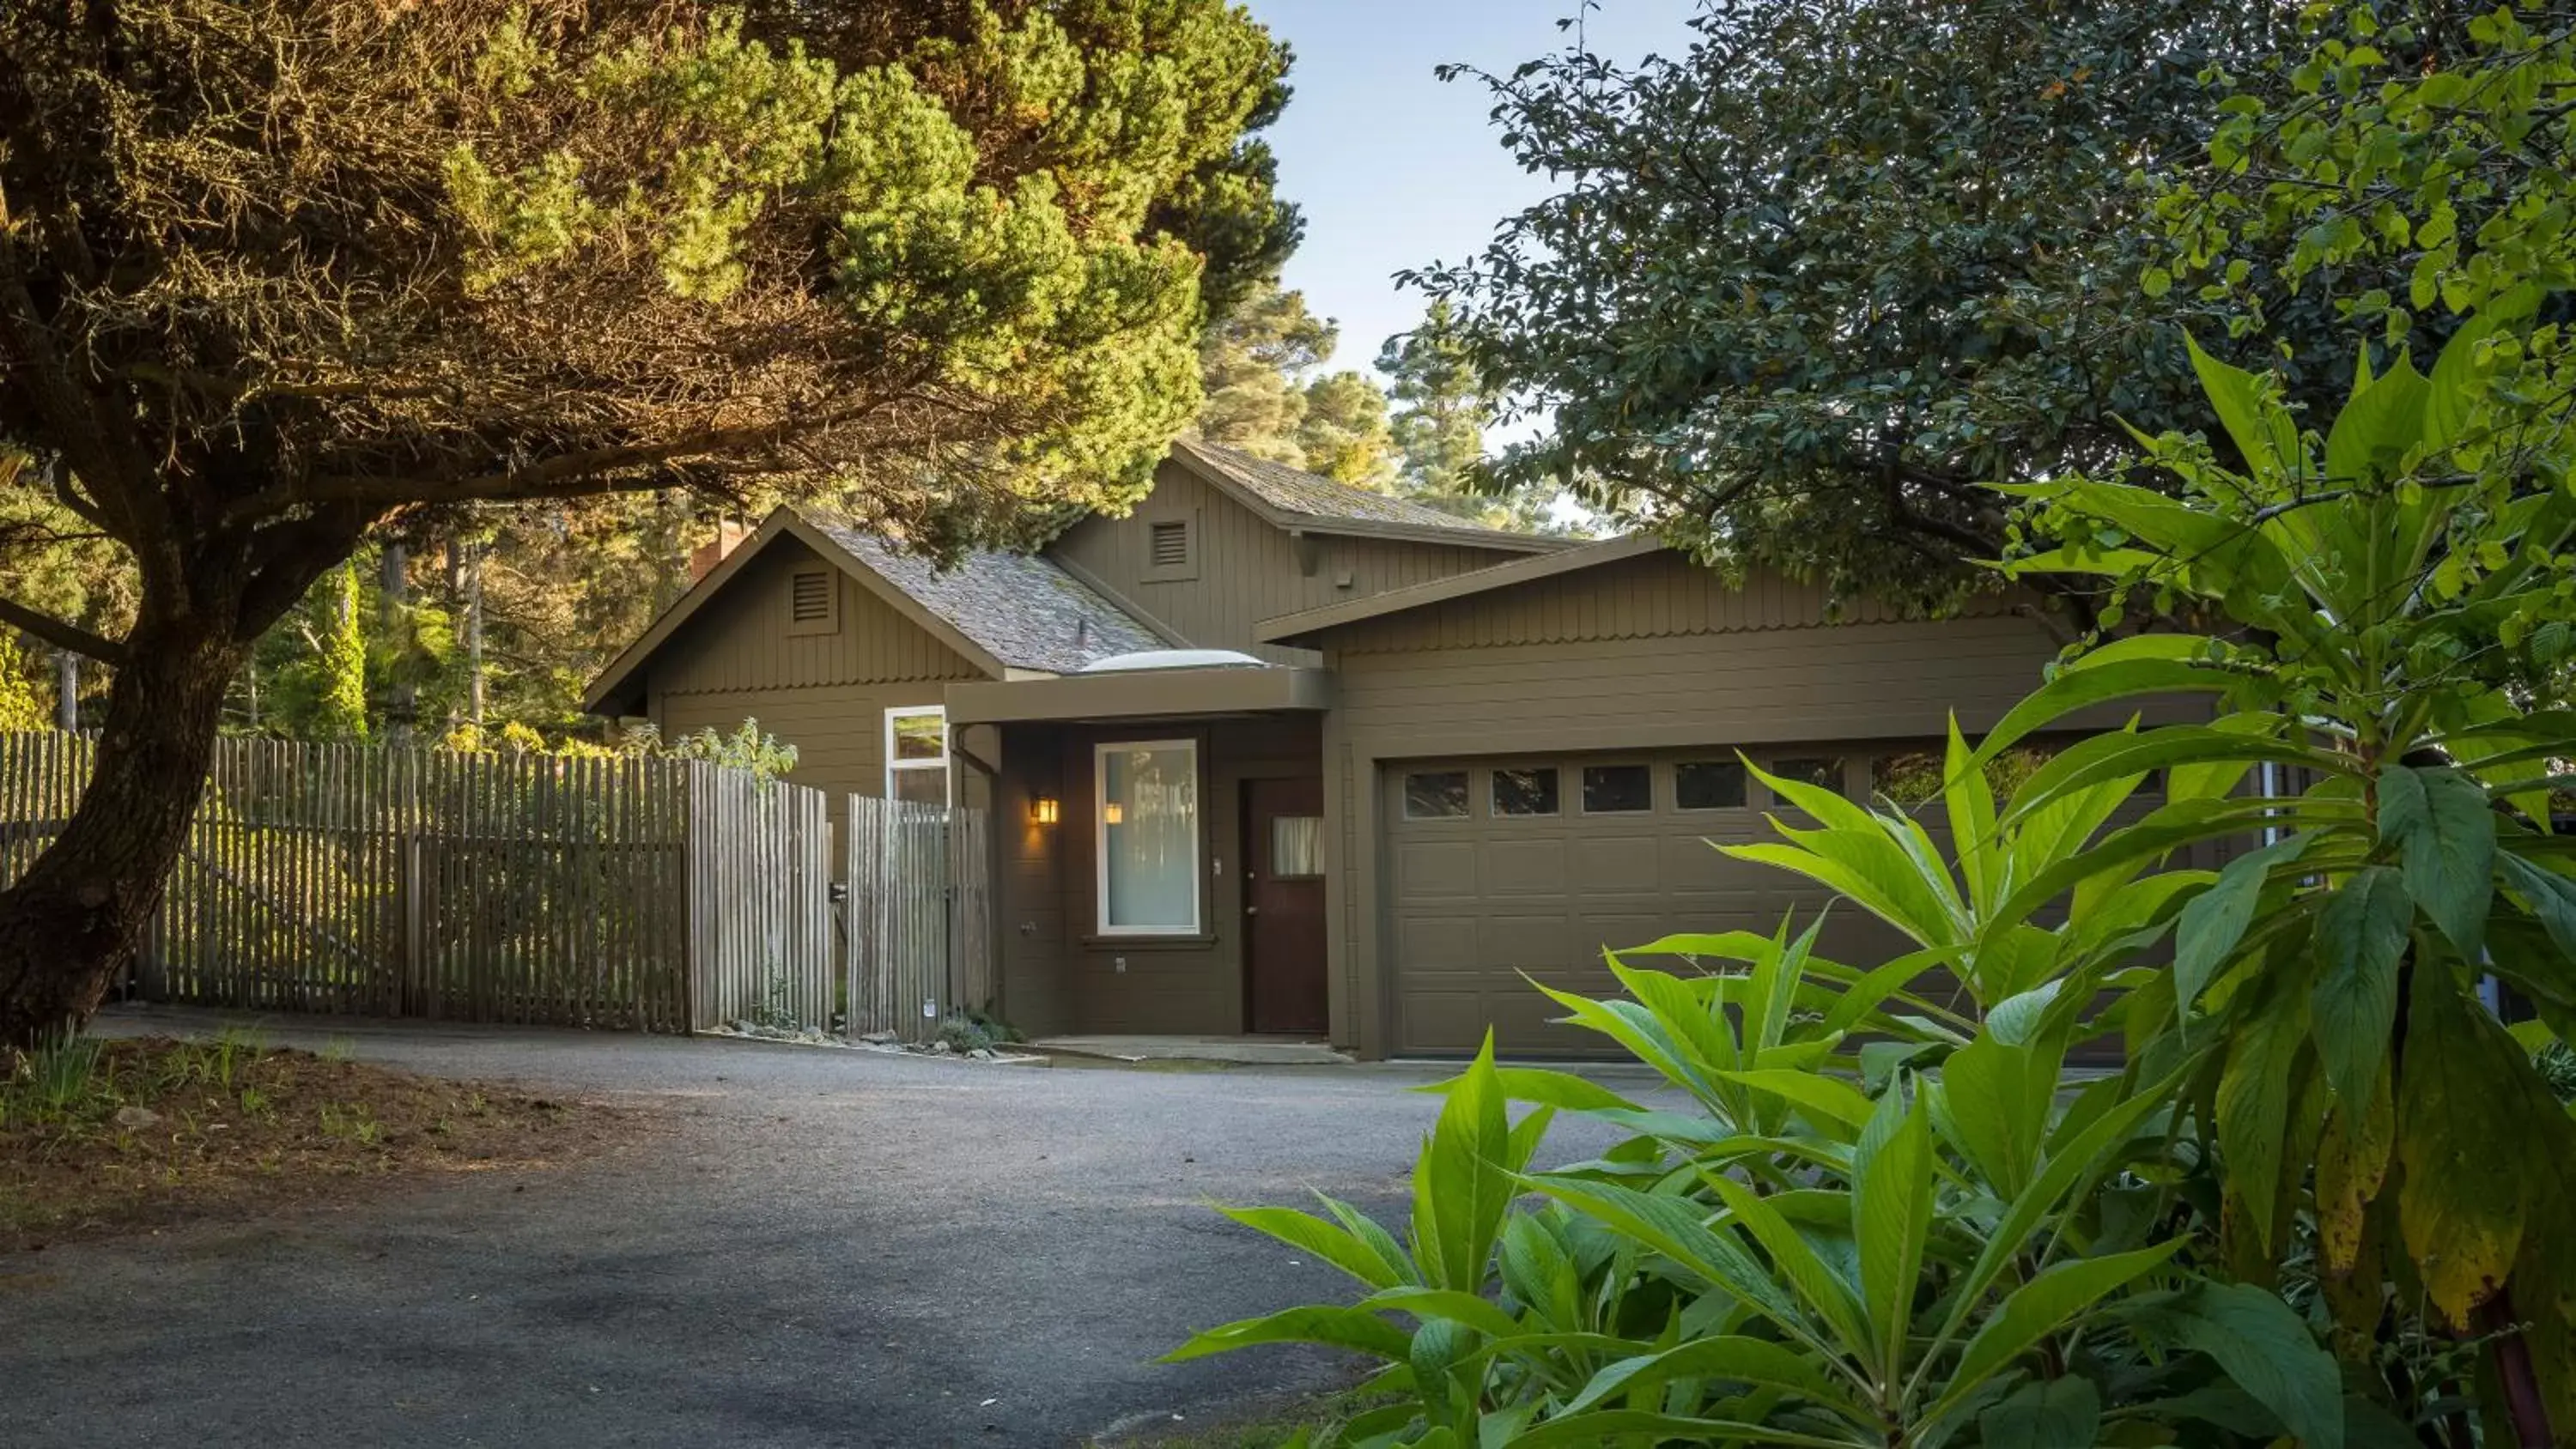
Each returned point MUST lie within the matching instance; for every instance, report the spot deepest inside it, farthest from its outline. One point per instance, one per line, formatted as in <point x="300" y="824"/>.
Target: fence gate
<point x="760" y="902"/>
<point x="918" y="916"/>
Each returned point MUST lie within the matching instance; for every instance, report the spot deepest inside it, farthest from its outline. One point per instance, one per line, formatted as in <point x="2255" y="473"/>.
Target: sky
<point x="1395" y="168"/>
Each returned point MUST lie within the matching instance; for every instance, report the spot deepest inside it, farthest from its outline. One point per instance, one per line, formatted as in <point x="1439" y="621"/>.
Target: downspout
<point x="992" y="774"/>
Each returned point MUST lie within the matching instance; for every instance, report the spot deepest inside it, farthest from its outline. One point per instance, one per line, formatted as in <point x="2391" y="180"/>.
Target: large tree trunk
<point x="75" y="918"/>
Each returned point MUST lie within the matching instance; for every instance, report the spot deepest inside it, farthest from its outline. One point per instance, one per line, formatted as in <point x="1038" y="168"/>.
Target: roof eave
<point x="1464" y="535"/>
<point x="1293" y="628"/>
<point x="1141" y="694"/>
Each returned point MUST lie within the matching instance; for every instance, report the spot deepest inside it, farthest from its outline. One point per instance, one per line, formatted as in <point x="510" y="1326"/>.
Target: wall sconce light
<point x="1114" y="813"/>
<point x="1046" y="810"/>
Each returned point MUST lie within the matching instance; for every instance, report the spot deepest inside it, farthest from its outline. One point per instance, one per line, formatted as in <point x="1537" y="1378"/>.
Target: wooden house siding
<point x="740" y="640"/>
<point x="1245" y="570"/>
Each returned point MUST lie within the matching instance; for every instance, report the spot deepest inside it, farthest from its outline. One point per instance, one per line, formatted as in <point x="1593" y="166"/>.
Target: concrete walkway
<point x="822" y="1248"/>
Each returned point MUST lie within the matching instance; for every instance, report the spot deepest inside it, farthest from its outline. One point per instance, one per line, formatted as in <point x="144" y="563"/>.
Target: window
<point x="1708" y="785"/>
<point x="1613" y="789"/>
<point x="1146" y="812"/>
<point x="1436" y="795"/>
<point x="813" y="602"/>
<point x="916" y="754"/>
<point x="1171" y="549"/>
<point x="1819" y="770"/>
<point x="1296" y="846"/>
<point x="1528" y="791"/>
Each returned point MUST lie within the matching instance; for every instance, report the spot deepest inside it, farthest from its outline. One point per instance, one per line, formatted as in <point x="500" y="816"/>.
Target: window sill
<point x="1177" y="941"/>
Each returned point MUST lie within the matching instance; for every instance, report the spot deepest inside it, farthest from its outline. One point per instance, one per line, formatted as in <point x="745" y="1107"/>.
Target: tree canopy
<point x="274" y="273"/>
<point x="1811" y="282"/>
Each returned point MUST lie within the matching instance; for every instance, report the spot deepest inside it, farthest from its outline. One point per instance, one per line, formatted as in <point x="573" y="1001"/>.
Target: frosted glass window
<point x="1147" y="816"/>
<point x="1296" y="845"/>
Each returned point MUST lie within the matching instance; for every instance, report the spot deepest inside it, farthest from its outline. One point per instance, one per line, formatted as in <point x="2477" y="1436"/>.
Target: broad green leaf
<point x="1827" y="1099"/>
<point x="1674" y="1228"/>
<point x="2461" y="1204"/>
<point x="2061" y="1413"/>
<point x="2076" y="689"/>
<point x="1891" y="1196"/>
<point x="2268" y="1351"/>
<point x="1822" y="1289"/>
<point x="1731" y="1358"/>
<point x="1596" y="1427"/>
<point x="2383" y="418"/>
<point x="1356" y="1329"/>
<point x="2264" y="431"/>
<point x="1466" y="1309"/>
<point x="2445" y="836"/>
<point x="1317" y="1238"/>
<point x="2360" y="939"/>
<point x="2254" y="1096"/>
<point x="1995" y="1098"/>
<point x="2043" y="1305"/>
<point x="1462" y="1184"/>
<point x="2552" y="897"/>
<point x="1547" y="1088"/>
<point x="2209" y="928"/>
<point x="2352" y="1161"/>
<point x="1970" y="802"/>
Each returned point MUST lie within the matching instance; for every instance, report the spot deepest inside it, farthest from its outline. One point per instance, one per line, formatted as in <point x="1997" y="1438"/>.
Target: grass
<point x="103" y="1137"/>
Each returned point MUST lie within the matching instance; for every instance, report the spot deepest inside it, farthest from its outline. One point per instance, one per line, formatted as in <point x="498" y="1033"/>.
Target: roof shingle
<point x="1291" y="491"/>
<point x="1022" y="609"/>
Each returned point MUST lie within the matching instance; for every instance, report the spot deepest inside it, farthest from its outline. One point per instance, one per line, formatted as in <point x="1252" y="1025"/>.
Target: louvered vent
<point x="1170" y="545"/>
<point x="810" y="601"/>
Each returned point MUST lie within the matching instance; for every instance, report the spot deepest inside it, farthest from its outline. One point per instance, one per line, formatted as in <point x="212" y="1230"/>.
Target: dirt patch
<point x="99" y="1138"/>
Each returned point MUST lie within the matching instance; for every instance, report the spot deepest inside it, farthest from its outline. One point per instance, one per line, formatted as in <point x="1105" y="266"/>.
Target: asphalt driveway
<point x="824" y="1248"/>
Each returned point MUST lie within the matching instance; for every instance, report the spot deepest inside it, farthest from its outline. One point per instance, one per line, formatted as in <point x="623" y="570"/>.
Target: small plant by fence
<point x="635" y="893"/>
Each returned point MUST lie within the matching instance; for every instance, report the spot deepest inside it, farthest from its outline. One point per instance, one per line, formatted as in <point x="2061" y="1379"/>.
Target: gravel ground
<point x="823" y="1247"/>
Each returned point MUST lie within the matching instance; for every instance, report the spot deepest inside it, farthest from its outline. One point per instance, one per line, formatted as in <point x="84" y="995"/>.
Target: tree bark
<point x="402" y="697"/>
<point x="66" y="691"/>
<point x="74" y="919"/>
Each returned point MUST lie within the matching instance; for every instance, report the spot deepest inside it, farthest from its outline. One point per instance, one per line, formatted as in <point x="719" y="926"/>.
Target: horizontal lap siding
<point x="1646" y="654"/>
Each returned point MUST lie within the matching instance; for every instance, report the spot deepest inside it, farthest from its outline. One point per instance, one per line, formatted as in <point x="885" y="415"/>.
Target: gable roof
<point x="1292" y="499"/>
<point x="1004" y="612"/>
<point x="1290" y="628"/>
<point x="1026" y="612"/>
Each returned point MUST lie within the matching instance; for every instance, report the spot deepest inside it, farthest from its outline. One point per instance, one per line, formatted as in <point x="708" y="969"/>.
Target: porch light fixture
<point x="1113" y="813"/>
<point x="1046" y="810"/>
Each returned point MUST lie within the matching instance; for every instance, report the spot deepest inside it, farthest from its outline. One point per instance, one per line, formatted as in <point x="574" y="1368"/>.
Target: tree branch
<point x="60" y="633"/>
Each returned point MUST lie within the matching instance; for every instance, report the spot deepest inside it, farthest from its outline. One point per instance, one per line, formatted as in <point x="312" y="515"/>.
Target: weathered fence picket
<point x="645" y="894"/>
<point x="918" y="935"/>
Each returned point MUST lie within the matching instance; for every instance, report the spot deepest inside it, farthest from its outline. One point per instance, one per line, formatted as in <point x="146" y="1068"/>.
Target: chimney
<point x="729" y="536"/>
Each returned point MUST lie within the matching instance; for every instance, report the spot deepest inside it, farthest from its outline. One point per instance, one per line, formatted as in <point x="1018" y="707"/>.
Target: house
<point x="1276" y="755"/>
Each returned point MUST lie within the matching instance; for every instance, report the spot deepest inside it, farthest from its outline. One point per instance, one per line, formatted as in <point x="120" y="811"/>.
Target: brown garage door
<point x="1498" y="866"/>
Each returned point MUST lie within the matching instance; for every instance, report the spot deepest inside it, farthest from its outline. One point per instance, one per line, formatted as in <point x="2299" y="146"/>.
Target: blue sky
<point x="1396" y="169"/>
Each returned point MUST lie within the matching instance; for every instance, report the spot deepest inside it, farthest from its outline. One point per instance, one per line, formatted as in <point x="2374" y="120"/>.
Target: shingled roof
<point x="1299" y="494"/>
<point x="1020" y="608"/>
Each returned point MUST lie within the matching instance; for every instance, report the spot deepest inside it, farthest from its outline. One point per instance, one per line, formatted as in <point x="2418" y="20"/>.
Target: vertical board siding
<point x="917" y="940"/>
<point x="470" y="887"/>
<point x="739" y="640"/>
<point x="1247" y="570"/>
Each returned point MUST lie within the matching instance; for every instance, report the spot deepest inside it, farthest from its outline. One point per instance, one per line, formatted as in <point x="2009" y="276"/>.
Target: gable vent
<point x="809" y="598"/>
<point x="1170" y="545"/>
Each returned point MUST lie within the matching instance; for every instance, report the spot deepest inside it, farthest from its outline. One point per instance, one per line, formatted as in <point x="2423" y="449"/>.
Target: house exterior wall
<point x="825" y="693"/>
<point x="1647" y="653"/>
<point x="1058" y="974"/>
<point x="1245" y="570"/>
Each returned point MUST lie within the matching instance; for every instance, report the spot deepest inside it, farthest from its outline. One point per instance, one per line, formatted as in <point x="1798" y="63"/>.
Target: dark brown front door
<point x="1283" y="906"/>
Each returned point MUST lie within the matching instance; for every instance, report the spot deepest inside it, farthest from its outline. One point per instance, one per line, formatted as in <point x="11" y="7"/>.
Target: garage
<point x="1498" y="866"/>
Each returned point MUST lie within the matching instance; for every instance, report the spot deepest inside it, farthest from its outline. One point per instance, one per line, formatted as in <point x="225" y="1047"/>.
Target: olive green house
<point x="1272" y="755"/>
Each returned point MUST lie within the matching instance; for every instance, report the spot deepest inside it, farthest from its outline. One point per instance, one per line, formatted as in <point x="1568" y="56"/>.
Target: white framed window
<point x="916" y="754"/>
<point x="1145" y="834"/>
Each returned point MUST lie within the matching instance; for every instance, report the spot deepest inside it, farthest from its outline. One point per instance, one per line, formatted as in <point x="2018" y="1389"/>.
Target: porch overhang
<point x="1156" y="693"/>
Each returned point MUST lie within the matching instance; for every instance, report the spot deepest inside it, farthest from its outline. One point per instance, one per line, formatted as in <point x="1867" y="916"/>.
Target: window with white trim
<point x="1145" y="824"/>
<point x="916" y="754"/>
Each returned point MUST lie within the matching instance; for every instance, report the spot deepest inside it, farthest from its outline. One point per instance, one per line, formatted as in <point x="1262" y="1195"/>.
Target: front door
<point x="1283" y="906"/>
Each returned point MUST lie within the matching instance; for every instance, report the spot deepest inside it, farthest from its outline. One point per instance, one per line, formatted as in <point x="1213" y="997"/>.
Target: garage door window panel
<point x="1822" y="771"/>
<point x="1618" y="789"/>
<point x="1435" y="795"/>
<point x="1147" y="815"/>
<point x="1709" y="785"/>
<point x="1526" y="791"/>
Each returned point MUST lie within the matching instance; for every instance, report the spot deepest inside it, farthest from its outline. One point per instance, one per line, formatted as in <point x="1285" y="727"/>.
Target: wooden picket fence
<point x="919" y="915"/>
<point x="643" y="894"/>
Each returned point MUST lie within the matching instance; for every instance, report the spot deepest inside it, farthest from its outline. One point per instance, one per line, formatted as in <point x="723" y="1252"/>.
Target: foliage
<point x="1790" y="1261"/>
<point x="748" y="748"/>
<point x="1443" y="408"/>
<point x="1344" y="435"/>
<point x="1809" y="283"/>
<point x="22" y="706"/>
